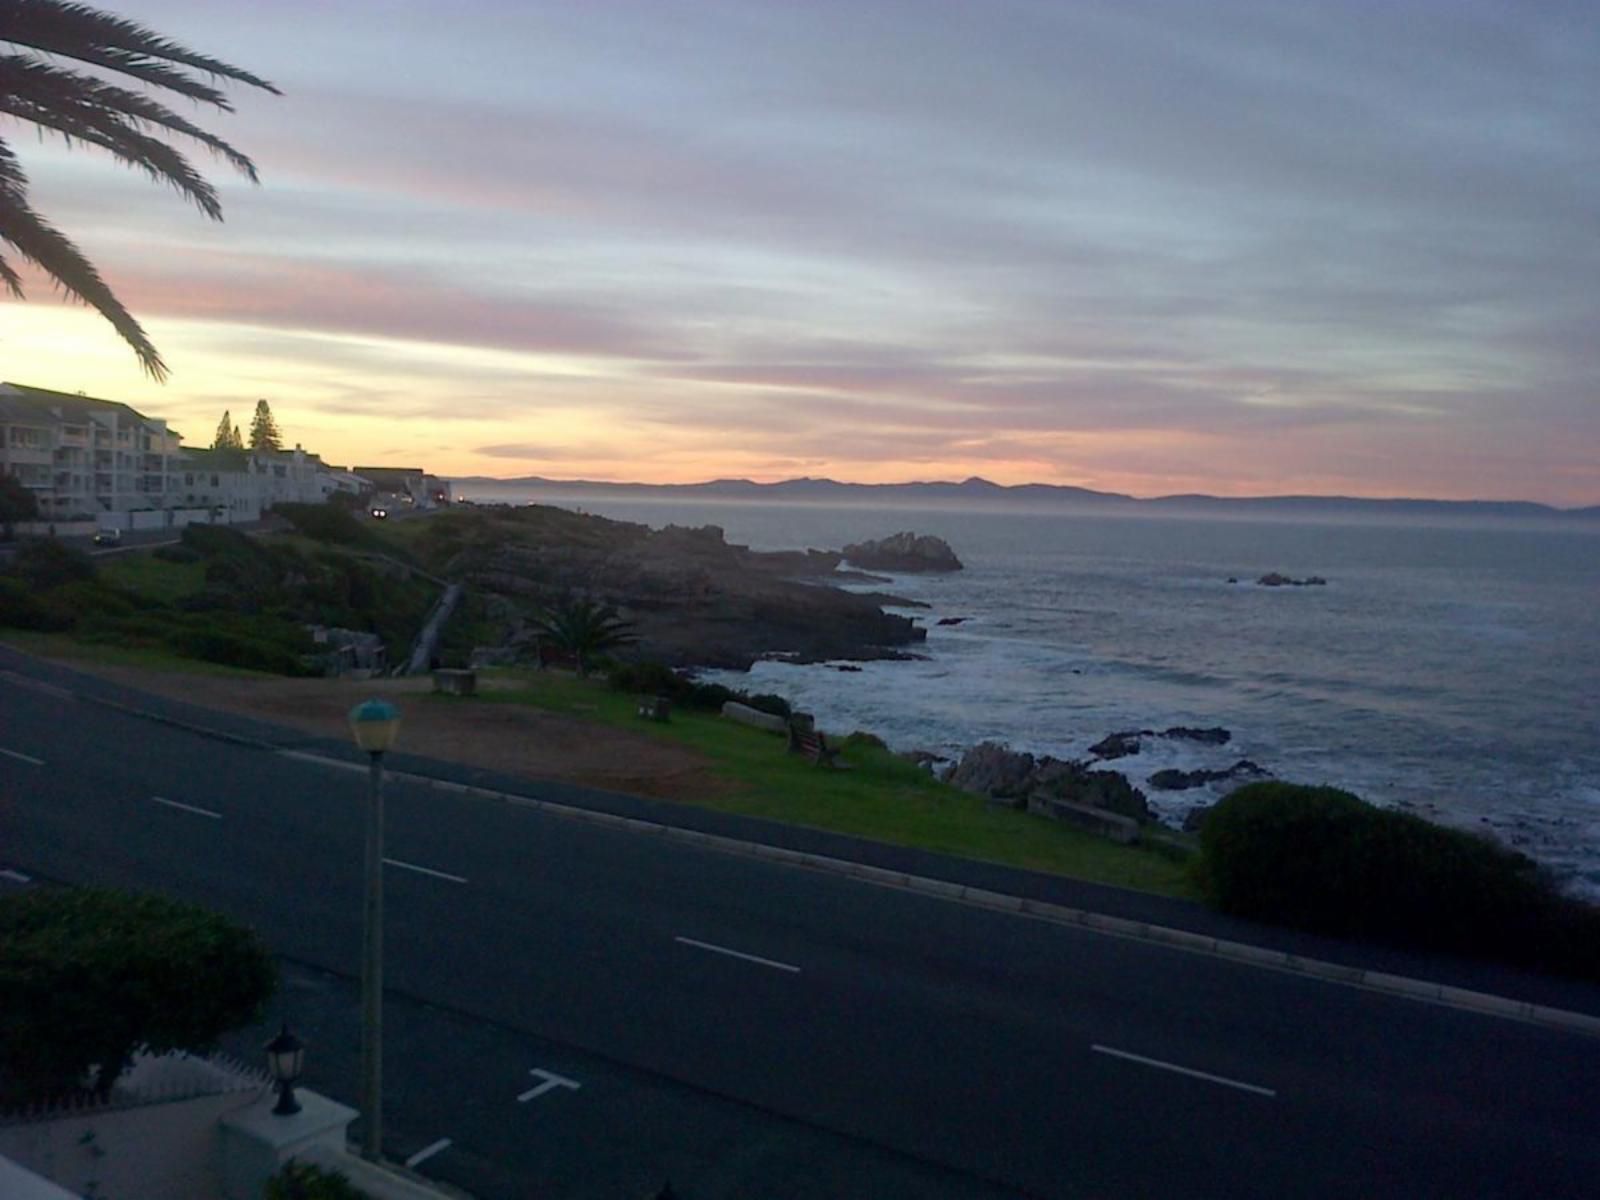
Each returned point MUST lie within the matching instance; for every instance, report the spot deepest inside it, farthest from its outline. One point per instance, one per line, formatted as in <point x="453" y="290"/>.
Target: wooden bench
<point x="814" y="745"/>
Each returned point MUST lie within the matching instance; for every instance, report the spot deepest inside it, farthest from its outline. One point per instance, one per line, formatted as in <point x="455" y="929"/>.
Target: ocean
<point x="1451" y="668"/>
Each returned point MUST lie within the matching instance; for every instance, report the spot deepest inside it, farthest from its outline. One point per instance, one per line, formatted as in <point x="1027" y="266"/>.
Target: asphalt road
<point x="754" y="1029"/>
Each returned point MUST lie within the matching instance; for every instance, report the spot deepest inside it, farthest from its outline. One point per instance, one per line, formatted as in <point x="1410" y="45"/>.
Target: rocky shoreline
<point x="693" y="598"/>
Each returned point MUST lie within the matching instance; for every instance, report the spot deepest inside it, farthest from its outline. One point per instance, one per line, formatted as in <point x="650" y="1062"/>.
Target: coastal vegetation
<point x="1322" y="859"/>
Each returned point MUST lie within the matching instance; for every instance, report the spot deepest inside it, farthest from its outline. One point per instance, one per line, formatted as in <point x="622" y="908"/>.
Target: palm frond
<point x="44" y="94"/>
<point x="11" y="279"/>
<point x="41" y="243"/>
<point x="103" y="39"/>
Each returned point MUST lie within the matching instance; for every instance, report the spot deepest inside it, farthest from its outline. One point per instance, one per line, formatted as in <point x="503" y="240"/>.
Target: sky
<point x="1233" y="247"/>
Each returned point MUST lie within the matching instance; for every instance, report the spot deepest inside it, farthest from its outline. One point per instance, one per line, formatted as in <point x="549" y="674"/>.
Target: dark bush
<point x="327" y="523"/>
<point x="1322" y="859"/>
<point x="175" y="554"/>
<point x="20" y="608"/>
<point x="304" y="1181"/>
<point x="767" y="702"/>
<point x="90" y="976"/>
<point x="47" y="563"/>
<point x="712" y="696"/>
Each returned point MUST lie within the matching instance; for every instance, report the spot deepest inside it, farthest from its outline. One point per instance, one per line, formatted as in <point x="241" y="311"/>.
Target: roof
<point x="22" y="400"/>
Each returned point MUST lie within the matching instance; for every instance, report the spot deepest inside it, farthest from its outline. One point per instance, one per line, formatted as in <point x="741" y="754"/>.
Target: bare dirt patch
<point x="511" y="739"/>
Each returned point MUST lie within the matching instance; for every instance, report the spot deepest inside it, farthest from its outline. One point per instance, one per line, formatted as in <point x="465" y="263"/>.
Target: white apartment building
<point x="239" y="485"/>
<point x="82" y="457"/>
<point x="89" y="459"/>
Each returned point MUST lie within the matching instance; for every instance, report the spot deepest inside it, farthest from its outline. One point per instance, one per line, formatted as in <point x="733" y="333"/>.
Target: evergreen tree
<point x="227" y="436"/>
<point x="264" y="430"/>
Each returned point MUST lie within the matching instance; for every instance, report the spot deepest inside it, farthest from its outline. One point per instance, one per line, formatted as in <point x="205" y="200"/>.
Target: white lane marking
<point x="405" y="866"/>
<point x="765" y="962"/>
<point x="15" y="876"/>
<point x="551" y="1082"/>
<point x="21" y="757"/>
<point x="36" y="685"/>
<point x="427" y="1152"/>
<point x="1166" y="1066"/>
<point x="321" y="761"/>
<point x="189" y="808"/>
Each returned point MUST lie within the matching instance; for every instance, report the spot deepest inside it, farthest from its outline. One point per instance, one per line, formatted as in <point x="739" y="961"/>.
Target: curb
<point x="1243" y="953"/>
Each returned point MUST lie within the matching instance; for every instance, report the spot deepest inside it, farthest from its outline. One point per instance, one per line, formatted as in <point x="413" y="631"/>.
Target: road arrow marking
<point x="551" y="1082"/>
<point x="765" y="962"/>
<point x="21" y="757"/>
<point x="1166" y="1066"/>
<point x="189" y="808"/>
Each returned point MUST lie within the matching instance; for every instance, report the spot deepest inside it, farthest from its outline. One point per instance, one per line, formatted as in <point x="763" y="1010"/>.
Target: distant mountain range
<point x="982" y="491"/>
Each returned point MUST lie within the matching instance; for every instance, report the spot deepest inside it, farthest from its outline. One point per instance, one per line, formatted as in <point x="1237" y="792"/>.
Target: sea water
<point x="1452" y="668"/>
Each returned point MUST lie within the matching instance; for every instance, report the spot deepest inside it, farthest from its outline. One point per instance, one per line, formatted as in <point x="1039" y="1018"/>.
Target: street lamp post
<point x="374" y="724"/>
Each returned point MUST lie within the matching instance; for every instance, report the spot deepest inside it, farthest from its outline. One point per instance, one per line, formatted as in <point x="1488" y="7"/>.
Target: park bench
<point x="813" y="744"/>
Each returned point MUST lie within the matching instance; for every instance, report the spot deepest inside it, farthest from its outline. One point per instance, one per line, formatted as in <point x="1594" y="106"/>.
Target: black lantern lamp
<point x="286" y="1055"/>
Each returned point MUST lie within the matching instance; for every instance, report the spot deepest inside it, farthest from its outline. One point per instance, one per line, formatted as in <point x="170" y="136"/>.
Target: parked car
<point x="108" y="537"/>
<point x="380" y="513"/>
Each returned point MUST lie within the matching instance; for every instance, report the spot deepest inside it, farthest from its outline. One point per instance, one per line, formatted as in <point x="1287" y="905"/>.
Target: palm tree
<point x="38" y="89"/>
<point x="585" y="629"/>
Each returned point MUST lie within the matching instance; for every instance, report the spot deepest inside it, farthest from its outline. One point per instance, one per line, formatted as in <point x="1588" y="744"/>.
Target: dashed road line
<point x="405" y="866"/>
<point x="427" y="1152"/>
<point x="21" y="757"/>
<point x="15" y="876"/>
<point x="551" y="1081"/>
<point x="188" y="808"/>
<point x="1189" y="1071"/>
<point x="755" y="958"/>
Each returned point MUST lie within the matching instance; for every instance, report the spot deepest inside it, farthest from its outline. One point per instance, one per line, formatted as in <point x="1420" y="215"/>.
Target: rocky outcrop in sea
<point x="1023" y="781"/>
<point x="903" y="553"/>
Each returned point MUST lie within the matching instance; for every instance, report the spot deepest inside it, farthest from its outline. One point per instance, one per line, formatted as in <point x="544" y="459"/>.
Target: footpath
<point x="1484" y="987"/>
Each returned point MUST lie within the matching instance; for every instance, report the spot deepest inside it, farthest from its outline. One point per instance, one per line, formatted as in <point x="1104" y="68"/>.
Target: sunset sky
<point x="1230" y="247"/>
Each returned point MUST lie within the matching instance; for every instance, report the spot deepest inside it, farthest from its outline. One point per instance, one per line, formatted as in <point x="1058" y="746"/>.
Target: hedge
<point x="1322" y="859"/>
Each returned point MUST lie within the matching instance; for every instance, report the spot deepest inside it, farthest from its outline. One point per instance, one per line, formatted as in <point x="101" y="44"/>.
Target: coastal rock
<point x="990" y="769"/>
<point x="950" y="620"/>
<point x="904" y="553"/>
<point x="1010" y="776"/>
<point x="1177" y="781"/>
<point x="1126" y="742"/>
<point x="694" y="599"/>
<point x="1118" y="745"/>
<point x="1274" y="579"/>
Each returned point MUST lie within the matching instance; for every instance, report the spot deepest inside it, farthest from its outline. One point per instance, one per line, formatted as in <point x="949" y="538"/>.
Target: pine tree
<point x="264" y="430"/>
<point x="227" y="436"/>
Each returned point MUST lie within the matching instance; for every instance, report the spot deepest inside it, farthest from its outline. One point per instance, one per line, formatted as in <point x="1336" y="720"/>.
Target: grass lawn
<point x="143" y="574"/>
<point x="881" y="797"/>
<point x="66" y="647"/>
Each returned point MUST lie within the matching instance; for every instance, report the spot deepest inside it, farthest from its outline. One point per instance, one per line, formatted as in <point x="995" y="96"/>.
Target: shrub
<point x="20" y="609"/>
<point x="92" y="976"/>
<point x="1322" y="859"/>
<point x="304" y="1181"/>
<point x="327" y="523"/>
<point x="176" y="554"/>
<point x="47" y="563"/>
<point x="767" y="702"/>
